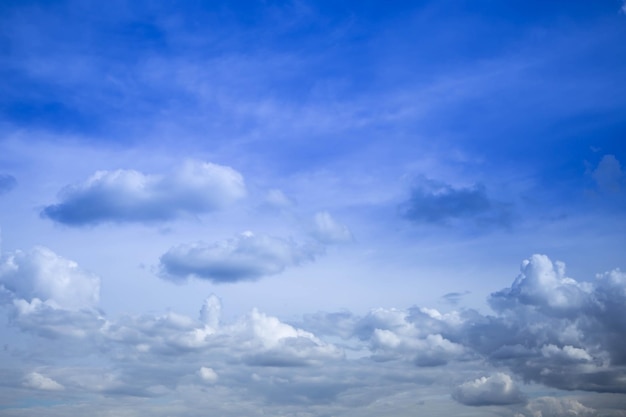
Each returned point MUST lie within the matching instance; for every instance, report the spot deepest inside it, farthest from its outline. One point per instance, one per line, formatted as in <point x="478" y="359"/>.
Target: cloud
<point x="434" y="202"/>
<point x="608" y="175"/>
<point x="497" y="389"/>
<point x="327" y="230"/>
<point x="543" y="284"/>
<point x="208" y="375"/>
<point x="557" y="407"/>
<point x="131" y="196"/>
<point x="245" y="257"/>
<point x="43" y="275"/>
<point x="38" y="381"/>
<point x="7" y="183"/>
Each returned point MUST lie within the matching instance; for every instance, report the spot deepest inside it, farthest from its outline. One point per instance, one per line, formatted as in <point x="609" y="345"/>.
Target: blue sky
<point x="305" y="208"/>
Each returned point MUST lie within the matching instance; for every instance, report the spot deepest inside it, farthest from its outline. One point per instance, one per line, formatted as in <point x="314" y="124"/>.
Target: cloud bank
<point x="131" y="196"/>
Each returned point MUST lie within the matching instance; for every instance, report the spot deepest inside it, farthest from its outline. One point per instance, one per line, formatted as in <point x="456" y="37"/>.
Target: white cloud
<point x="246" y="257"/>
<point x="543" y="284"/>
<point x="42" y="274"/>
<point x="328" y="230"/>
<point x="35" y="380"/>
<point x="208" y="375"/>
<point x="497" y="389"/>
<point x="131" y="196"/>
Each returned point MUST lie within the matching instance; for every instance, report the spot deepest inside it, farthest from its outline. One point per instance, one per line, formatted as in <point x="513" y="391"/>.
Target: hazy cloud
<point x="245" y="257"/>
<point x="328" y="230"/>
<point x="436" y="202"/>
<point x="131" y="196"/>
<point x="609" y="175"/>
<point x="7" y="183"/>
<point x="497" y="389"/>
<point x="557" y="407"/>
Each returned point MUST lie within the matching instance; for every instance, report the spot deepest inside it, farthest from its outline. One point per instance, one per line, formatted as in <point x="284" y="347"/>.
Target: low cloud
<point x="434" y="202"/>
<point x="557" y="407"/>
<point x="47" y="277"/>
<point x="35" y="380"/>
<point x="497" y="389"/>
<point x="131" y="196"/>
<point x="7" y="183"/>
<point x="243" y="258"/>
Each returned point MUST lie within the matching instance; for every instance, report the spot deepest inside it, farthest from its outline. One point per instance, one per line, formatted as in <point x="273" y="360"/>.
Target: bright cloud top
<point x="496" y="389"/>
<point x="42" y="275"/>
<point x="131" y="196"/>
<point x="245" y="257"/>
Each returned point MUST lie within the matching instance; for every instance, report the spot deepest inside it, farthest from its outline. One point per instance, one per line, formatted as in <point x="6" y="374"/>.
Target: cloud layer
<point x="131" y="196"/>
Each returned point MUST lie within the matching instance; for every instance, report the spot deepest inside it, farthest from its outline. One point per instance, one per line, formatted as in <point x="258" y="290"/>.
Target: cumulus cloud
<point x="245" y="257"/>
<point x="43" y="275"/>
<point x="131" y="196"/>
<point x="35" y="380"/>
<point x="436" y="202"/>
<point x="328" y="230"/>
<point x="7" y="183"/>
<point x="497" y="389"/>
<point x="543" y="284"/>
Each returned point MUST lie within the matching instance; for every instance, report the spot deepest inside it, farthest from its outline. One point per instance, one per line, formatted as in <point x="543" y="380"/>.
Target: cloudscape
<point x="313" y="208"/>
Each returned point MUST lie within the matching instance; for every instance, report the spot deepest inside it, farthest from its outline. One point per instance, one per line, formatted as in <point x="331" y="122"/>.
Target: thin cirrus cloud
<point x="131" y="196"/>
<point x="435" y="202"/>
<point x="243" y="258"/>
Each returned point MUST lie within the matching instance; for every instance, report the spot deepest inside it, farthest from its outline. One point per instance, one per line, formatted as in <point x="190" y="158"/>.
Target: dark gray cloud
<point x="435" y="202"/>
<point x="246" y="257"/>
<point x="7" y="183"/>
<point x="131" y="196"/>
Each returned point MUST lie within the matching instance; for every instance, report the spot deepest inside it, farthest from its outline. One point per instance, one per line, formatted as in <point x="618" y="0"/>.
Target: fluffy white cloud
<point x="497" y="389"/>
<point x="543" y="284"/>
<point x="43" y="275"/>
<point x="131" y="196"/>
<point x="35" y="380"/>
<point x="328" y="230"/>
<point x="246" y="257"/>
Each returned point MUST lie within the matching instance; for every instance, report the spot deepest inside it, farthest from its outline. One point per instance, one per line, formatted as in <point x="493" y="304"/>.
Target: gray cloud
<point x="7" y="183"/>
<point x="131" y="196"/>
<point x="435" y="202"/>
<point x="245" y="257"/>
<point x="497" y="389"/>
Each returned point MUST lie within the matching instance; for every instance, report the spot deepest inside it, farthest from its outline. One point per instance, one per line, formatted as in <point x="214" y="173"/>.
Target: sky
<point x="313" y="208"/>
